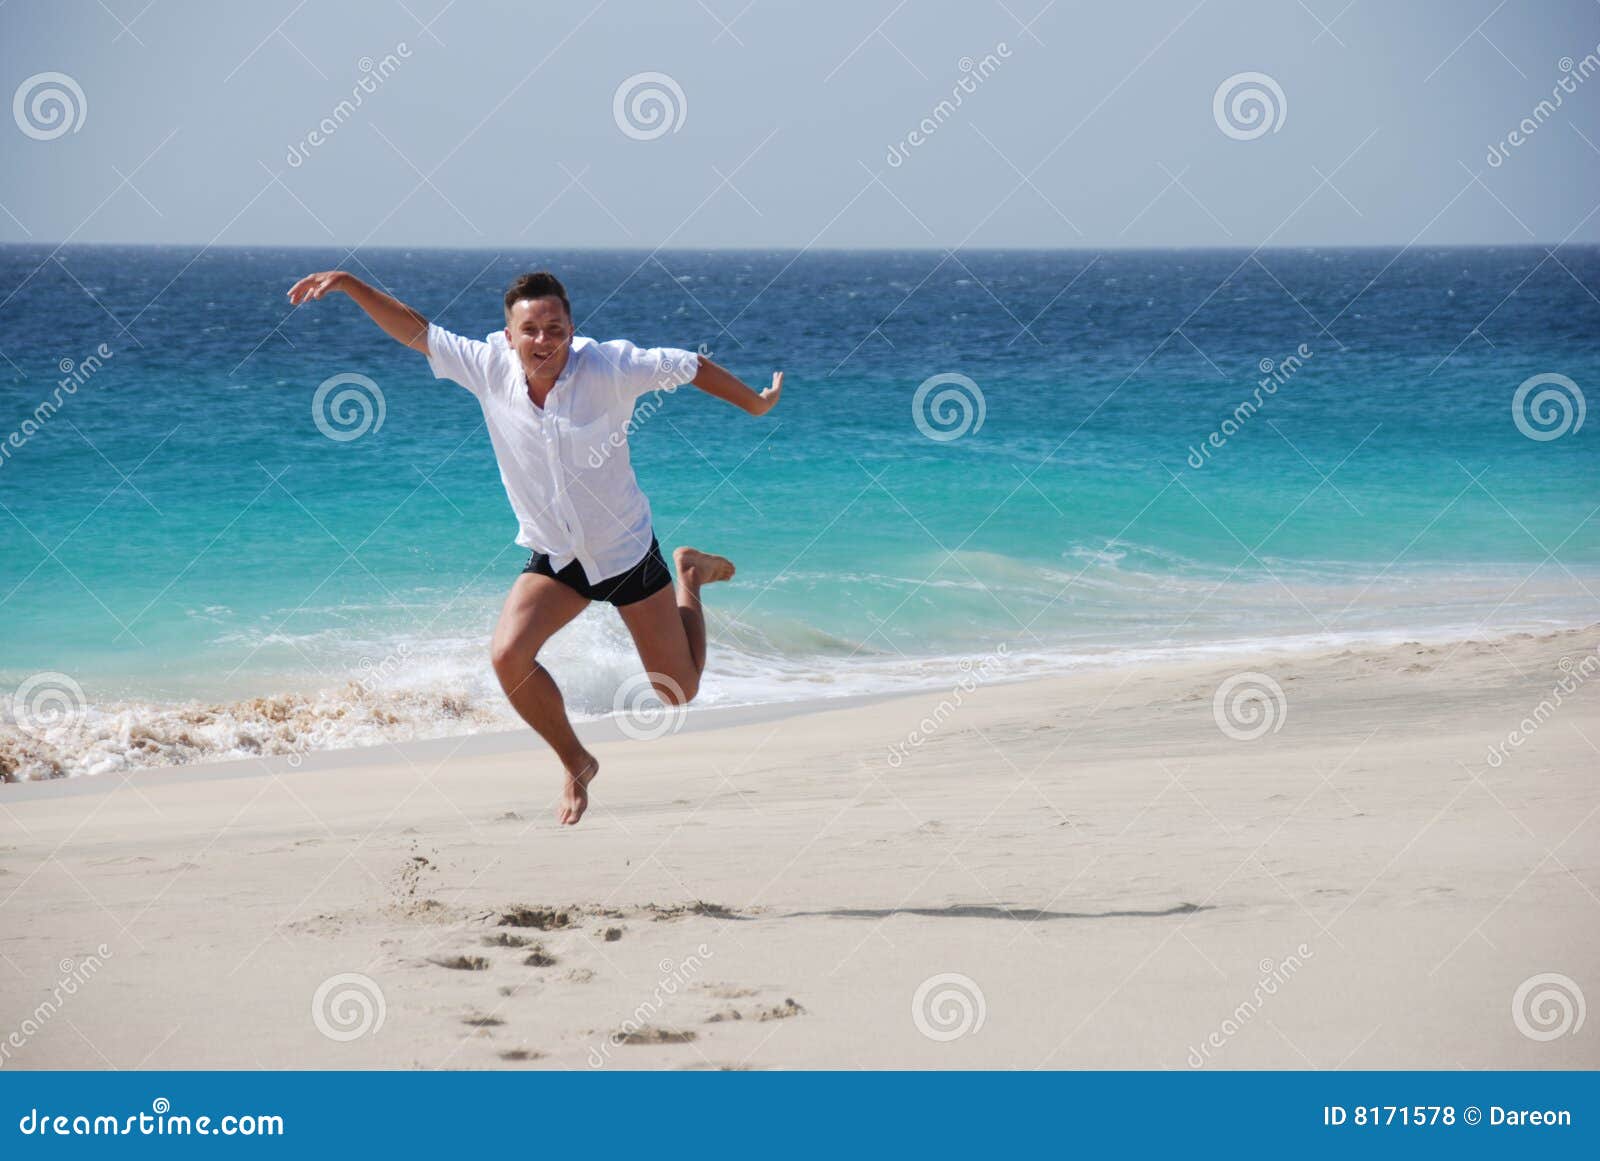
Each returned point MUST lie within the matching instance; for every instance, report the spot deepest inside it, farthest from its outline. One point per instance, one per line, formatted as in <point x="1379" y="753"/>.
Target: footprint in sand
<point x="481" y="1021"/>
<point x="539" y="957"/>
<point x="505" y="939"/>
<point x="461" y="963"/>
<point x="541" y="918"/>
<point x="776" y="1012"/>
<point x="521" y="1054"/>
<point x="657" y="1036"/>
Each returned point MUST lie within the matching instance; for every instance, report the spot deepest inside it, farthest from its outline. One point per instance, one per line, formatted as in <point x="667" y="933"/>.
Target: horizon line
<point x="923" y="249"/>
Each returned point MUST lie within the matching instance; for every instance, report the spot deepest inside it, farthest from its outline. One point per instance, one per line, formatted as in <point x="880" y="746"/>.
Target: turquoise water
<point x="182" y="529"/>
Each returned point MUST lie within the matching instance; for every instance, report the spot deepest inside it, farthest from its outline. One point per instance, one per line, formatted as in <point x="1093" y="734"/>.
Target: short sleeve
<point x="647" y="369"/>
<point x="463" y="360"/>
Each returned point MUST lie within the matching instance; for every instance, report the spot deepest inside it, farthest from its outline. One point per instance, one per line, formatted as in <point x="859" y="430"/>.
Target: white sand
<point x="1105" y="866"/>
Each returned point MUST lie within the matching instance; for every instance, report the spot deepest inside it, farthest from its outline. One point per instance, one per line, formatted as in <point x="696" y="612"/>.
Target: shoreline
<point x="503" y="738"/>
<point x="496" y="740"/>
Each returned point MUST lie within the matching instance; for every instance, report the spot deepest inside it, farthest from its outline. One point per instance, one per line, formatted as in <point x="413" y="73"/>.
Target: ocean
<point x="1005" y="462"/>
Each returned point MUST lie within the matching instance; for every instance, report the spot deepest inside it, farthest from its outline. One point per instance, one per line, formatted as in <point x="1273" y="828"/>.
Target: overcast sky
<point x="789" y="124"/>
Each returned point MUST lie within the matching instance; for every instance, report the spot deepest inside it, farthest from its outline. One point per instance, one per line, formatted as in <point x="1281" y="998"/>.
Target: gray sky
<point x="1096" y="126"/>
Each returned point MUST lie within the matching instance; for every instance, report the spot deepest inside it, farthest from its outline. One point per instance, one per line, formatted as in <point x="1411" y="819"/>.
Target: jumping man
<point x="557" y="406"/>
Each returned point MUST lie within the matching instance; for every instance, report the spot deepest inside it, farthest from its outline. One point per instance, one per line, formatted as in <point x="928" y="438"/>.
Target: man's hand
<point x="398" y="320"/>
<point x="719" y="384"/>
<point x="314" y="286"/>
<point x="768" y="399"/>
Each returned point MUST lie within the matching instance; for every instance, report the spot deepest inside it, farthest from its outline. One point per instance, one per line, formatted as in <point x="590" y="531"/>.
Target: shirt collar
<point x="579" y="343"/>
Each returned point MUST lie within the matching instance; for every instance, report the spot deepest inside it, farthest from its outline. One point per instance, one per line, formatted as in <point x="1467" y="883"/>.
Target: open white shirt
<point x="565" y="466"/>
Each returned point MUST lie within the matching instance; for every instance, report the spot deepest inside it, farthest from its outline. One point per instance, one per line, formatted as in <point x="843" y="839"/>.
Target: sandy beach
<point x="1095" y="871"/>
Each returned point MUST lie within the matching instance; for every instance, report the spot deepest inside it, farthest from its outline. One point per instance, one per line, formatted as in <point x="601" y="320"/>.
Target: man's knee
<point x="513" y="654"/>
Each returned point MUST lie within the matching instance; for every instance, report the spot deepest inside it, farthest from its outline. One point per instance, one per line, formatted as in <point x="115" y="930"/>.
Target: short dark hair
<point x="538" y="284"/>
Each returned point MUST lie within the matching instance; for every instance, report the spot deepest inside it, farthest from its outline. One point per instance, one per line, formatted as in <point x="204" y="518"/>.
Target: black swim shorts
<point x="644" y="579"/>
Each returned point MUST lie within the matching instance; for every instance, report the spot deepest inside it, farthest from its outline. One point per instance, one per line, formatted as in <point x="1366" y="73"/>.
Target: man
<point x="558" y="407"/>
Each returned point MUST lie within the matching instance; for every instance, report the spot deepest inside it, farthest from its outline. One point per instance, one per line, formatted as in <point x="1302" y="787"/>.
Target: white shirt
<point x="565" y="466"/>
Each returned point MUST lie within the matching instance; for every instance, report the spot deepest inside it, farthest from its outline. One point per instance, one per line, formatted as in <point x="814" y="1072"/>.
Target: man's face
<point x="539" y="331"/>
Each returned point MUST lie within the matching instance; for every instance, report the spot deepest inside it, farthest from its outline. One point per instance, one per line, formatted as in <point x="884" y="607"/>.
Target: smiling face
<point x="539" y="330"/>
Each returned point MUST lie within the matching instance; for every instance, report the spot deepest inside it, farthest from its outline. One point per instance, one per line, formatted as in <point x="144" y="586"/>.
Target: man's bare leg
<point x="669" y="628"/>
<point x="535" y="609"/>
<point x="696" y="568"/>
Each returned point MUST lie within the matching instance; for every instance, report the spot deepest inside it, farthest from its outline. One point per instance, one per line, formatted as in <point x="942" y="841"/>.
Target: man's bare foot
<point x="701" y="568"/>
<point x="575" y="798"/>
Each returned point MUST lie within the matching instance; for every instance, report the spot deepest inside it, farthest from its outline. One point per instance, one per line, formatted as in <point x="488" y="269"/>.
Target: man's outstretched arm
<point x="398" y="320"/>
<point x="715" y="381"/>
